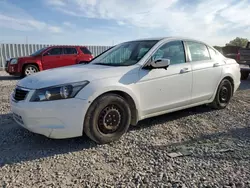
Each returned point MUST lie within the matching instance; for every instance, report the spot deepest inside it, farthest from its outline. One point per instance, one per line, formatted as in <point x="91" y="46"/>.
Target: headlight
<point x="64" y="91"/>
<point x="14" y="61"/>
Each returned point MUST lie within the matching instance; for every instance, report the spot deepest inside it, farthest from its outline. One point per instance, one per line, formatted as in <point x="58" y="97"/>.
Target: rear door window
<point x="69" y="51"/>
<point x="54" y="51"/>
<point x="212" y="53"/>
<point x="198" y="51"/>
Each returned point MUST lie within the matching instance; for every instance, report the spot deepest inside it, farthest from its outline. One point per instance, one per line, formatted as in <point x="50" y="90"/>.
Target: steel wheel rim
<point x="224" y="94"/>
<point x="109" y="119"/>
<point x="30" y="70"/>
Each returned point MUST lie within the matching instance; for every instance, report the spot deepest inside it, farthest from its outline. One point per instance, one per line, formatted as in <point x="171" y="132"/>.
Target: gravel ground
<point x="215" y="145"/>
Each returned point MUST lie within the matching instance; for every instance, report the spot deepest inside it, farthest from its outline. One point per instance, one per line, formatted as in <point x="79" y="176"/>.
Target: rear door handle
<point x="184" y="70"/>
<point x="216" y="64"/>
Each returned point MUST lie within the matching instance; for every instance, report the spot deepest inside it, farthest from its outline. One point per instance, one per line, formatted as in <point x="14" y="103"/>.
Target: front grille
<point x="20" y="94"/>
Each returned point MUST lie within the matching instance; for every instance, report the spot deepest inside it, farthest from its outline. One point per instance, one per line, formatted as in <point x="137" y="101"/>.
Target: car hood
<point x="75" y="73"/>
<point x="26" y="58"/>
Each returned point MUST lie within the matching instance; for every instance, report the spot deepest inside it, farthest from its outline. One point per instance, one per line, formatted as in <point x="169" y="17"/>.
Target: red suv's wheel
<point x="29" y="70"/>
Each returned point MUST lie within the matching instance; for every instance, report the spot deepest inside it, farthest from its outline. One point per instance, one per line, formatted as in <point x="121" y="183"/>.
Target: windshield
<point x="125" y="54"/>
<point x="38" y="51"/>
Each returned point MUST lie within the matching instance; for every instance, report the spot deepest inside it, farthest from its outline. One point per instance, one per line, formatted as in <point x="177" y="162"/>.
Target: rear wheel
<point x="223" y="95"/>
<point x="83" y="62"/>
<point x="107" y="119"/>
<point x="244" y="75"/>
<point x="29" y="70"/>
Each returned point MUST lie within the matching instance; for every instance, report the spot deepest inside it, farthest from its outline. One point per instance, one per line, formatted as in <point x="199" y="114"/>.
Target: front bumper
<point x="54" y="119"/>
<point x="13" y="69"/>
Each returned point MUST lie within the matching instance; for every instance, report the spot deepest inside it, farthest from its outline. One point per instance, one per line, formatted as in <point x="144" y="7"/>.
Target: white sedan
<point x="127" y="83"/>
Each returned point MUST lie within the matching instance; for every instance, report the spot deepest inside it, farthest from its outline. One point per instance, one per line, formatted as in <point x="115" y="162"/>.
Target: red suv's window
<point x="69" y="51"/>
<point x="85" y="51"/>
<point x="54" y="51"/>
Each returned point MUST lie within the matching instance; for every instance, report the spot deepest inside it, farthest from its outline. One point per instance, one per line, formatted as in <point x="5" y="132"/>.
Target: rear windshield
<point x="85" y="51"/>
<point x="248" y="45"/>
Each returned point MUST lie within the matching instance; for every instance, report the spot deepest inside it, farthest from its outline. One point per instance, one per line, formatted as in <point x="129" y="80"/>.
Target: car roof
<point x="72" y="46"/>
<point x="169" y="38"/>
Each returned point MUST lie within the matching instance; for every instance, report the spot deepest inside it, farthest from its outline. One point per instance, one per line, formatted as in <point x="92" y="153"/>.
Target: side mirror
<point x="160" y="63"/>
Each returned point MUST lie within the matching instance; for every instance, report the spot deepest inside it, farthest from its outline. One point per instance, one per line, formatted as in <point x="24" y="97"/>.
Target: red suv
<point x="47" y="58"/>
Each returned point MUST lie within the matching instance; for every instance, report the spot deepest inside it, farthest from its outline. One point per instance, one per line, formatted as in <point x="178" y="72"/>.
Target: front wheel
<point x="107" y="119"/>
<point x="223" y="95"/>
<point x="29" y="70"/>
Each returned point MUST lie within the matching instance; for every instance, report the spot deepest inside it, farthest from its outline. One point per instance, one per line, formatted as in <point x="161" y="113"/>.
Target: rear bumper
<point x="244" y="66"/>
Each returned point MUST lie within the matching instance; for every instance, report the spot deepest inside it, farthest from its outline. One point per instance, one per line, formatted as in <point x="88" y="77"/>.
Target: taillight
<point x="238" y="56"/>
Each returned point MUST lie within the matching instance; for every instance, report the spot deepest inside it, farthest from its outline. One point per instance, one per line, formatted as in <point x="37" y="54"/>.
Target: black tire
<point x="83" y="62"/>
<point x="30" y="67"/>
<point x="244" y="75"/>
<point x="101" y="119"/>
<point x="223" y="95"/>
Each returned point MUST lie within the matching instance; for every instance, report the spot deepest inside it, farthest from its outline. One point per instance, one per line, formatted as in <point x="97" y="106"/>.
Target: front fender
<point x="90" y="93"/>
<point x="38" y="63"/>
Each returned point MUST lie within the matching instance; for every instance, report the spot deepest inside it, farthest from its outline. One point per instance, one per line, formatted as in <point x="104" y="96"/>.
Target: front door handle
<point x="216" y="64"/>
<point x="184" y="70"/>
